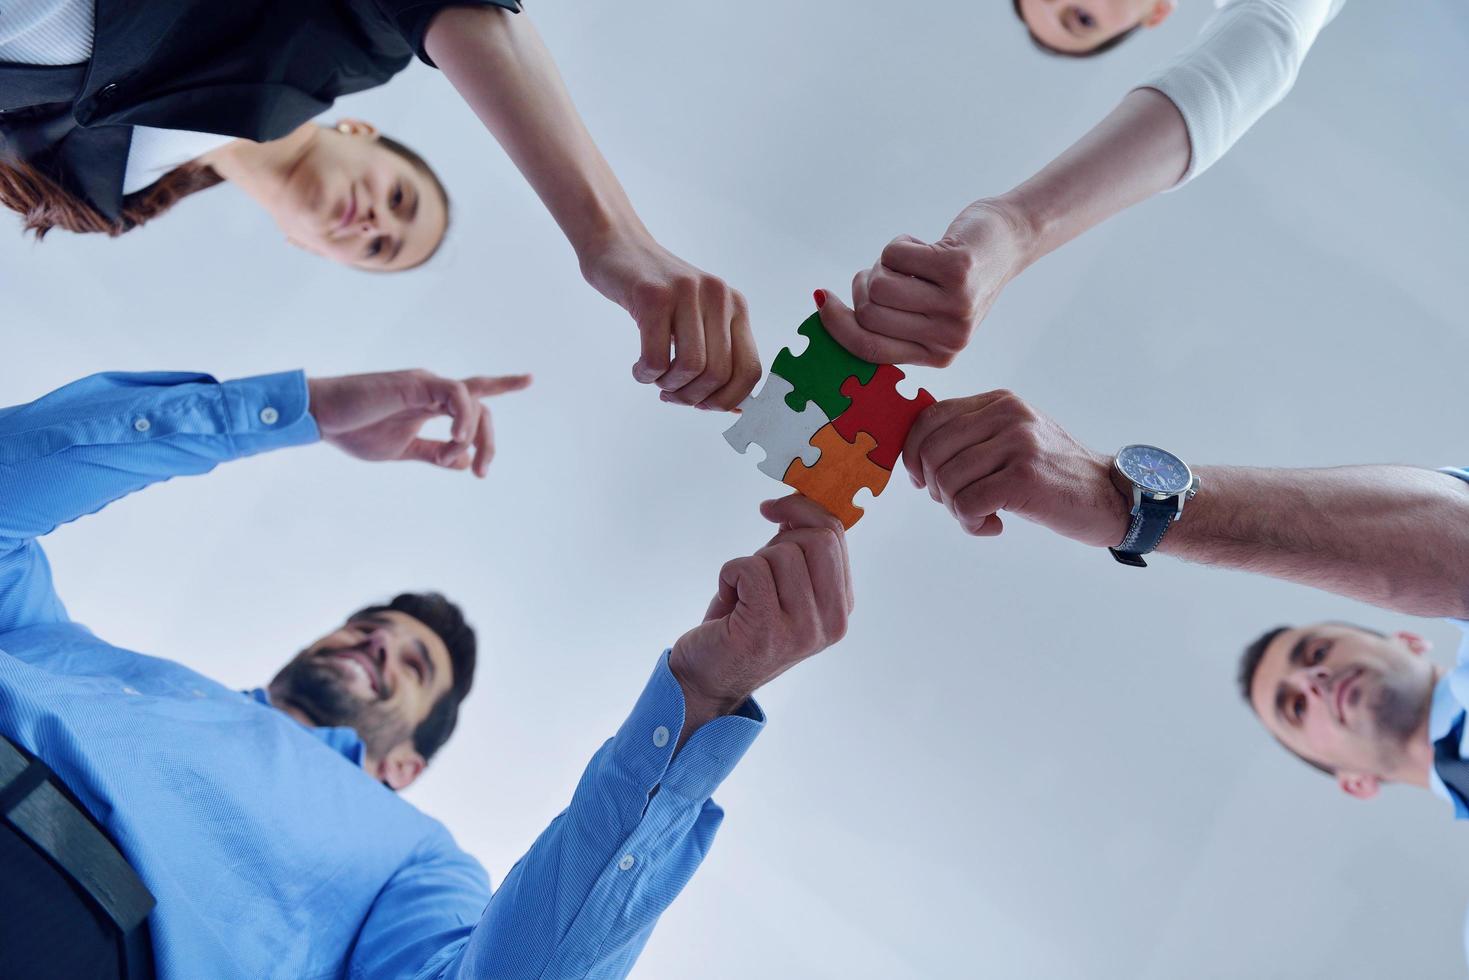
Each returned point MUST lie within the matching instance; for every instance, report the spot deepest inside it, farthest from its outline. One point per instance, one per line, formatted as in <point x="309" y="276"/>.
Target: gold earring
<point x="343" y="128"/>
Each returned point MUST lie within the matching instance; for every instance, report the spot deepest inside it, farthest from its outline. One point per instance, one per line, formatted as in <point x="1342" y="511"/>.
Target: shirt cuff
<point x="268" y="411"/>
<point x="645" y="743"/>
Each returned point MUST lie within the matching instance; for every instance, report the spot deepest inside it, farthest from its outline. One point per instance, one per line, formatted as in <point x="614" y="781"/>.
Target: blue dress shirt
<point x="270" y="851"/>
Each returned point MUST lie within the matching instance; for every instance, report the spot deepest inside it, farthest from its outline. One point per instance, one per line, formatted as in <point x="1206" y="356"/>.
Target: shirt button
<point x="142" y="425"/>
<point x="660" y="736"/>
<point x="108" y="91"/>
<point x="269" y="415"/>
<point x="627" y="862"/>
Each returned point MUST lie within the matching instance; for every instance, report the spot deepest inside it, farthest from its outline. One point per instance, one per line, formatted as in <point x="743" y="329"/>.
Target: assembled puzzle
<point x="829" y="422"/>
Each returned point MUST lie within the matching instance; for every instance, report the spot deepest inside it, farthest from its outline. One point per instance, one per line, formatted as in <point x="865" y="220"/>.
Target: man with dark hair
<point x="154" y="820"/>
<point x="1364" y="707"/>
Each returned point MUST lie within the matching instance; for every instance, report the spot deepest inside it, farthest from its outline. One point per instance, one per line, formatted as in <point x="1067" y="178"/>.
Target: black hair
<point x="447" y="621"/>
<point x="1101" y="48"/>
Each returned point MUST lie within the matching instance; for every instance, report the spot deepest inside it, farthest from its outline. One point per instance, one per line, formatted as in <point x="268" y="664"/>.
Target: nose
<point x="377" y="646"/>
<point x="367" y="223"/>
<point x="1318" y="681"/>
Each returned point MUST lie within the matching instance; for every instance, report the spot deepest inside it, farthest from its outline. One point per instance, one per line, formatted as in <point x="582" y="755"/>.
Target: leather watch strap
<point x="1150" y="521"/>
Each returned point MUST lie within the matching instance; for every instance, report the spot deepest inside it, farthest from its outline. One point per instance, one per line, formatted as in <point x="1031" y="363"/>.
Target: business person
<point x="110" y="112"/>
<point x="151" y="818"/>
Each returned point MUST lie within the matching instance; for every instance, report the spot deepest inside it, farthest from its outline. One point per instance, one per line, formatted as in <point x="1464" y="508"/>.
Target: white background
<point x="1025" y="760"/>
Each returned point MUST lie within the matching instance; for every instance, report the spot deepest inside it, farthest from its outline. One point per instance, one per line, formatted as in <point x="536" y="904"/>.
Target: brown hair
<point x="44" y="204"/>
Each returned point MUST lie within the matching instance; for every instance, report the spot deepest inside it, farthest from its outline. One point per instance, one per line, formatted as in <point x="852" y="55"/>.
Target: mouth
<point x="363" y="663"/>
<point x="1342" y="692"/>
<point x="349" y="211"/>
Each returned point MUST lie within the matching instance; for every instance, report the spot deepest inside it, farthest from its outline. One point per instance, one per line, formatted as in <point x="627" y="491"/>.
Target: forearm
<point x="1394" y="536"/>
<point x="585" y="897"/>
<point x="72" y="452"/>
<point x="1138" y="150"/>
<point x="497" y="62"/>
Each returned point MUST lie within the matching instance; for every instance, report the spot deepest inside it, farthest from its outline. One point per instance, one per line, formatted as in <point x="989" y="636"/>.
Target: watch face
<point x="1153" y="469"/>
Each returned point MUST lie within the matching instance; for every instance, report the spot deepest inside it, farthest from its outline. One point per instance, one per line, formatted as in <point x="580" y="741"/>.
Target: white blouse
<point x="59" y="32"/>
<point x="1244" y="61"/>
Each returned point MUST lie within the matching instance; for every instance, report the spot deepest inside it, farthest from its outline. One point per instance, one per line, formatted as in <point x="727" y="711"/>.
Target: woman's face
<point x="353" y="200"/>
<point x="1080" y="25"/>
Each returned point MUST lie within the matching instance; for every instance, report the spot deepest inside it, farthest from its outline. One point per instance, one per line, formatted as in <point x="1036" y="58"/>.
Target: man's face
<point x="379" y="673"/>
<point x="1344" y="698"/>
<point x="1080" y="25"/>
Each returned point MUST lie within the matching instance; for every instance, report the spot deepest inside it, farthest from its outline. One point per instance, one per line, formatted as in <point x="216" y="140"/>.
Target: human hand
<point x="920" y="302"/>
<point x="715" y="363"/>
<point x="987" y="453"/>
<point x="379" y="416"/>
<point x="788" y="601"/>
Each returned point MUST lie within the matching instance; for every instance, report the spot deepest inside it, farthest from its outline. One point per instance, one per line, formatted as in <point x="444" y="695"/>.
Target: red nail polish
<point x="820" y="297"/>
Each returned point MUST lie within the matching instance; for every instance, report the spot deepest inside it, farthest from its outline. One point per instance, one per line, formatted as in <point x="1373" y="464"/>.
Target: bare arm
<point x="1140" y="149"/>
<point x="497" y="62"/>
<point x="1394" y="536"/>
<point x="920" y="302"/>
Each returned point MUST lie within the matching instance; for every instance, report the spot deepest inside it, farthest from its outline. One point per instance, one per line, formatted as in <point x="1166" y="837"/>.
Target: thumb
<point x="841" y="322"/>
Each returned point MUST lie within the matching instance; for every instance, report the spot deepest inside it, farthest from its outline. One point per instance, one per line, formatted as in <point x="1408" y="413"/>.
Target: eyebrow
<point x="1298" y="652"/>
<point x="423" y="652"/>
<point x="412" y="213"/>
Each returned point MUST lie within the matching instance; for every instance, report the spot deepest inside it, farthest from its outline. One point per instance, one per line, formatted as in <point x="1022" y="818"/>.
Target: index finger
<point x="931" y="419"/>
<point x="797" y="511"/>
<point x="483" y="386"/>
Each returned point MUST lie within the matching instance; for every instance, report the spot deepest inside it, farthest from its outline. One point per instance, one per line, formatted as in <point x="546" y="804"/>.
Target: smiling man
<point x="152" y="819"/>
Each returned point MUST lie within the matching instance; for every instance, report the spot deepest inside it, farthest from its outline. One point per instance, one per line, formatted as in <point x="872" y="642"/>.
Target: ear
<point x="1356" y="784"/>
<point x="1413" y="642"/>
<point x="1159" y="13"/>
<point x="400" y="767"/>
<point x="359" y="127"/>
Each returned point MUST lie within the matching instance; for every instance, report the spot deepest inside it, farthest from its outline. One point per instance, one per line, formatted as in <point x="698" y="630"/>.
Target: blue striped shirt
<point x="270" y="851"/>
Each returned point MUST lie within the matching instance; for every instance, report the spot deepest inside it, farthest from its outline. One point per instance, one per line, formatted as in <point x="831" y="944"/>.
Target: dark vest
<point x="250" y="69"/>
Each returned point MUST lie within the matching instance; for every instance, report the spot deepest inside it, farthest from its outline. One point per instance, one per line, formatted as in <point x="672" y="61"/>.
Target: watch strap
<point x="1151" y="519"/>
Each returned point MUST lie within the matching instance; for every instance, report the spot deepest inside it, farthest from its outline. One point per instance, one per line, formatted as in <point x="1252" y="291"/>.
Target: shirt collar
<point x="344" y="741"/>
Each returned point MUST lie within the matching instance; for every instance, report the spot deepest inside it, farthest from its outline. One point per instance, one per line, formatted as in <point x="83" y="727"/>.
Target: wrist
<point x="603" y="248"/>
<point x="703" y="701"/>
<point x="1026" y="225"/>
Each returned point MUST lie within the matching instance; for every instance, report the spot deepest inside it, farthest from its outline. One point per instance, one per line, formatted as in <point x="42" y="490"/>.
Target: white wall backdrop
<point x="1018" y="764"/>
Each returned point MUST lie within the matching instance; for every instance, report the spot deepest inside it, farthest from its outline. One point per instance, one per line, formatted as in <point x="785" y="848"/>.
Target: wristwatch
<point x="1160" y="484"/>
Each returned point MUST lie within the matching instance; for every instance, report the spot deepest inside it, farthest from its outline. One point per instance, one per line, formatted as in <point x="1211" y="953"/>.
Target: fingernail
<point x="820" y="297"/>
<point x="914" y="480"/>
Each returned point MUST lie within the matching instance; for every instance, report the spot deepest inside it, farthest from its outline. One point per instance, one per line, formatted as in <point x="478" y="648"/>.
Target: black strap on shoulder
<point x="32" y="803"/>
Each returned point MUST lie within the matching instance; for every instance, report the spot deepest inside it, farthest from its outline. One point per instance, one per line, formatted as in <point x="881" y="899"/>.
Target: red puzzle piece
<point x="879" y="410"/>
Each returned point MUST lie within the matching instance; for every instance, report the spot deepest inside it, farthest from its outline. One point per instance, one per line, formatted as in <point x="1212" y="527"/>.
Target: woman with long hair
<point x="112" y="112"/>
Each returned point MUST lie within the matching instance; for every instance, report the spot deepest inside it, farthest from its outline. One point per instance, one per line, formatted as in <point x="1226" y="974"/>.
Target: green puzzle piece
<point x="818" y="372"/>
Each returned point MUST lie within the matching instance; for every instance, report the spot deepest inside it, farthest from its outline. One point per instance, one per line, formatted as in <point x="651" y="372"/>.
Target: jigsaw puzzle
<point x="767" y="421"/>
<point x="842" y="470"/>
<point x="830" y="423"/>
<point x="817" y="372"/>
<point x="880" y="411"/>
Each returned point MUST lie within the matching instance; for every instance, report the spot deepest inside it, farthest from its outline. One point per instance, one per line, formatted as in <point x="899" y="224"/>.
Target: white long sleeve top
<point x="1244" y="61"/>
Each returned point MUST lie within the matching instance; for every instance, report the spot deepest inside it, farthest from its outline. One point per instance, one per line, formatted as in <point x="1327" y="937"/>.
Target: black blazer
<point x="251" y="69"/>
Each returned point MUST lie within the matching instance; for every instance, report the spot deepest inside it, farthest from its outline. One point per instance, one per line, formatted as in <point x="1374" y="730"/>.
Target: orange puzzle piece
<point x="842" y="470"/>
